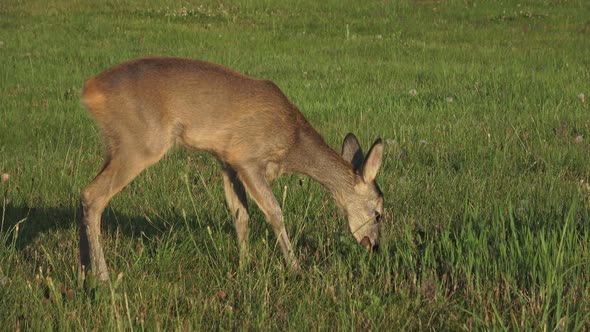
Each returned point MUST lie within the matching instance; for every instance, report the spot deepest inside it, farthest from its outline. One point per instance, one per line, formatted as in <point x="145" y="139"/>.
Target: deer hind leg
<point x="259" y="189"/>
<point x="120" y="168"/>
<point x="235" y="195"/>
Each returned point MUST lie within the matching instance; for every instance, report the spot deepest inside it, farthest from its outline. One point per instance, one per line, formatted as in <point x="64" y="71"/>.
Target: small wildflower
<point x="449" y="99"/>
<point x="413" y="92"/>
<point x="582" y="98"/>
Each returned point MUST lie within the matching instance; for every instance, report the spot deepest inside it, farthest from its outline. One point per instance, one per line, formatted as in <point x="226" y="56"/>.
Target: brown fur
<point x="146" y="105"/>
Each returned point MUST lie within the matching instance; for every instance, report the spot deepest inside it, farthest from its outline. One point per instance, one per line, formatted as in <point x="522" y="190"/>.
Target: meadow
<point x="484" y="107"/>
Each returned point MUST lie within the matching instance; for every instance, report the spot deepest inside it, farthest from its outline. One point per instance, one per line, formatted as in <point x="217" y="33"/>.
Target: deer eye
<point x="378" y="217"/>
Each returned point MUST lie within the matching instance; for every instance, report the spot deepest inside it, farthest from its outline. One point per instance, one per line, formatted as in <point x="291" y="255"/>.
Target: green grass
<point x="485" y="173"/>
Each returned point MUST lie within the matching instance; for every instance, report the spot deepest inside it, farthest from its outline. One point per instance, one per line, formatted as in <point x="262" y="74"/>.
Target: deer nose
<point x="366" y="242"/>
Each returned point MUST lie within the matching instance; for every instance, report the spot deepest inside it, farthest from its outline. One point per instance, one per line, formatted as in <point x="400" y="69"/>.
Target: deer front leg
<point x="235" y="195"/>
<point x="258" y="188"/>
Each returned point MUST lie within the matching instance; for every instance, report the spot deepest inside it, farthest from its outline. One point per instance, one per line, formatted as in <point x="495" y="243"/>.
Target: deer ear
<point x="352" y="152"/>
<point x="373" y="161"/>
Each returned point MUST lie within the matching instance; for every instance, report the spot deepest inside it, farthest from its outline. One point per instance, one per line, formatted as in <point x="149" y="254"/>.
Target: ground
<point x="484" y="110"/>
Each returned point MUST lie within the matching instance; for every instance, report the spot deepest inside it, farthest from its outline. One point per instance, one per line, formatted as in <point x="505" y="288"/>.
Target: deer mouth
<point x="370" y="246"/>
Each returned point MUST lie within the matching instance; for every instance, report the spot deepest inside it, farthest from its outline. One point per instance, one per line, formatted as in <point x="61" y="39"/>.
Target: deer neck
<point x="317" y="160"/>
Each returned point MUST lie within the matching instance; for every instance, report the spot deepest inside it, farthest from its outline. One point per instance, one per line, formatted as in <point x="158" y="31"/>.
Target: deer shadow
<point x="22" y="225"/>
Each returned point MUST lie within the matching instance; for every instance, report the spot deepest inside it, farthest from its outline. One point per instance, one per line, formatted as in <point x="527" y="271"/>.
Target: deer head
<point x="364" y="207"/>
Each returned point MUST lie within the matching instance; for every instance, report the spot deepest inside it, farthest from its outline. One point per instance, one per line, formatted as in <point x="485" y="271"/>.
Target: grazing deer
<point x="146" y="105"/>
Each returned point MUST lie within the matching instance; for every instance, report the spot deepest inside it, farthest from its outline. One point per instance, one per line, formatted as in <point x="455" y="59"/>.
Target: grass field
<point x="486" y="174"/>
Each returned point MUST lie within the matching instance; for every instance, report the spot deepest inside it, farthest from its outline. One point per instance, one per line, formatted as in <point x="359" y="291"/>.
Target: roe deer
<point x="146" y="105"/>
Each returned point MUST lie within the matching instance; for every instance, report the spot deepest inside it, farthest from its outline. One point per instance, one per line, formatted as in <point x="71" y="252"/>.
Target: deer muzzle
<point x="372" y="247"/>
